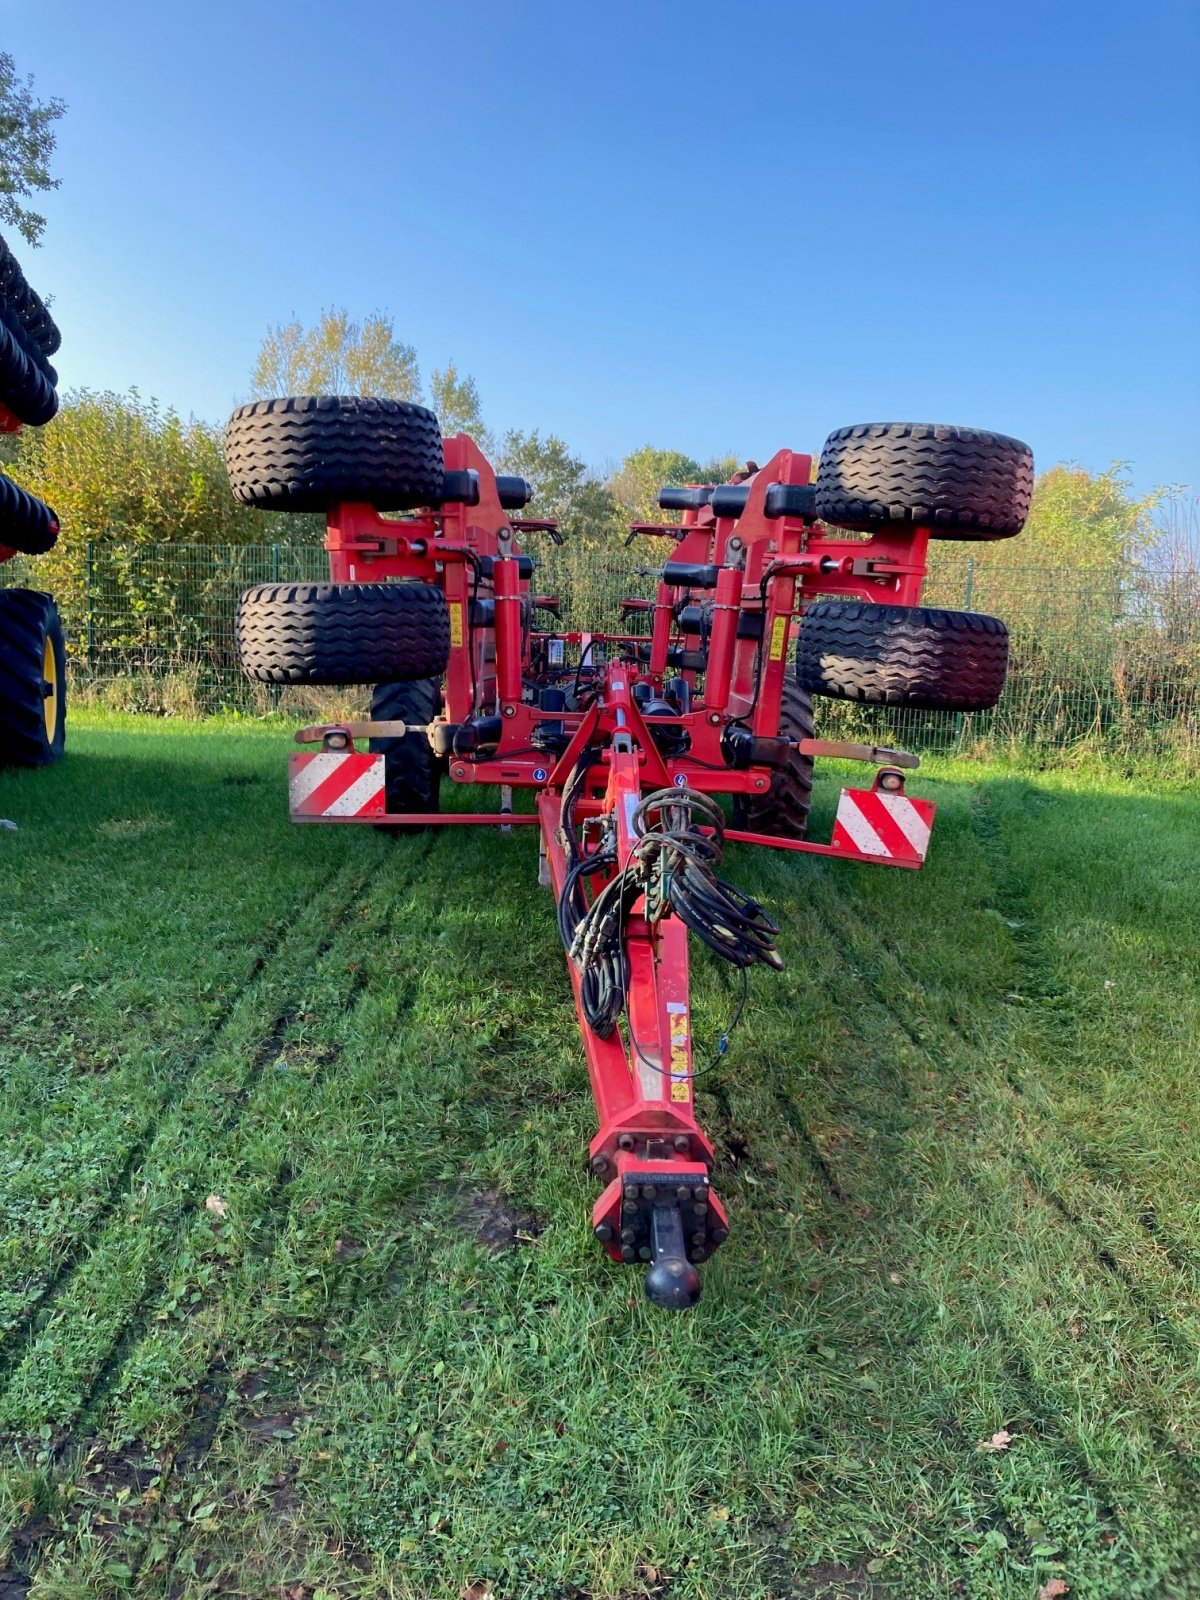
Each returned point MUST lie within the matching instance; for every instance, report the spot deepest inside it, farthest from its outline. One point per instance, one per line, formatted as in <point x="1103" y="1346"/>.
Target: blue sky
<point x="710" y="227"/>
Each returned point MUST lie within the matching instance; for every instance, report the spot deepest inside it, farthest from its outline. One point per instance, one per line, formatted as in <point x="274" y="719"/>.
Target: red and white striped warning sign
<point x="336" y="784"/>
<point x="871" y="822"/>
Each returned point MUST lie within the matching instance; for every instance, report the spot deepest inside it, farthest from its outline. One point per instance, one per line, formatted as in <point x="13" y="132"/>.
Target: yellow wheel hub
<point x="51" y="691"/>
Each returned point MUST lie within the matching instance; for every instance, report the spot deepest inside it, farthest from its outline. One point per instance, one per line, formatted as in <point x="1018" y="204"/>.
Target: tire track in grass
<point x="876" y="1233"/>
<point x="1150" y="1244"/>
<point x="1046" y="1393"/>
<point x="238" y="1292"/>
<point x="177" y="1083"/>
<point x="49" y="1344"/>
<point x="258" y="1241"/>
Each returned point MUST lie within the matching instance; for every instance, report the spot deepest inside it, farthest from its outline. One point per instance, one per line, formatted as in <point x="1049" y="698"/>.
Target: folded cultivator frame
<point x="627" y="739"/>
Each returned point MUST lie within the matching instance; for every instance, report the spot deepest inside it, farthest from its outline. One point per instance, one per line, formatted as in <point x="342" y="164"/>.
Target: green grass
<point x="958" y="1141"/>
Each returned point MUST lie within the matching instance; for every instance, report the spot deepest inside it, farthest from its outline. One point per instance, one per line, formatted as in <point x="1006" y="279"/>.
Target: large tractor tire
<point x="26" y="523"/>
<point x="303" y="453"/>
<point x="337" y="633"/>
<point x="24" y="388"/>
<point x="26" y="306"/>
<point x="961" y="483"/>
<point x="783" y="810"/>
<point x="912" y="656"/>
<point x="412" y="773"/>
<point x="33" y="679"/>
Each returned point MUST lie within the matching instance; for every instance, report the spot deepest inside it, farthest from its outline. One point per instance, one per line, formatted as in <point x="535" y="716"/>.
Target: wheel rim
<point x="49" y="690"/>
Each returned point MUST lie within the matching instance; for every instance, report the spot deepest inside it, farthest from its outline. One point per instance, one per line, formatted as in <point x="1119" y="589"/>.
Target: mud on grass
<point x="956" y="1142"/>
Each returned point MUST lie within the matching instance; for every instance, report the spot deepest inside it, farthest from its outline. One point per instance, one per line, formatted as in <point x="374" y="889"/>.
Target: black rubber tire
<point x="13" y="323"/>
<point x="29" y="623"/>
<point x="783" y="810"/>
<point x="913" y="656"/>
<point x="343" y="632"/>
<point x="24" y="389"/>
<point x="961" y="483"/>
<point x="412" y="773"/>
<point x="302" y="453"/>
<point x="26" y="305"/>
<point x="26" y="523"/>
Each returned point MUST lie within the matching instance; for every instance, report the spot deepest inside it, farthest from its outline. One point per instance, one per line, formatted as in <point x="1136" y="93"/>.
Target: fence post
<point x="960" y="720"/>
<point x="90" y="601"/>
<point x="274" y="691"/>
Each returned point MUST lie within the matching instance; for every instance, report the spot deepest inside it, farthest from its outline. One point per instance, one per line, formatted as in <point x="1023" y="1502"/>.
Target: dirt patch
<point x="493" y="1221"/>
<point x="828" y="1581"/>
<point x="206" y="1418"/>
<point x="26" y="1542"/>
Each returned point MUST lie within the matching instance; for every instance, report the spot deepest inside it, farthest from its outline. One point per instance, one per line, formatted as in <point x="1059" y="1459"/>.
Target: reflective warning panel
<point x="878" y="825"/>
<point x="336" y="783"/>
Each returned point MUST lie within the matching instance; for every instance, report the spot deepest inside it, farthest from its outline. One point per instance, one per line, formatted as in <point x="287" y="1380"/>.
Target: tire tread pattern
<point x="783" y="810"/>
<point x="412" y="774"/>
<point x="26" y="305"/>
<point x="961" y="483"/>
<point x="27" y="617"/>
<point x="27" y="524"/>
<point x="330" y="633"/>
<point x="914" y="656"/>
<point x="305" y="451"/>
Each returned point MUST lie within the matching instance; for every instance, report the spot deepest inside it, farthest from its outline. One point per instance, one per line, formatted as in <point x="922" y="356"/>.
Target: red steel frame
<point x="648" y="1144"/>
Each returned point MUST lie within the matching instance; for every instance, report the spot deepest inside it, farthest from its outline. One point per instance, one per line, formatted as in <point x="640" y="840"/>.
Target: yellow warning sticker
<point x="681" y="1086"/>
<point x="456" y="625"/>
<point x="778" y="638"/>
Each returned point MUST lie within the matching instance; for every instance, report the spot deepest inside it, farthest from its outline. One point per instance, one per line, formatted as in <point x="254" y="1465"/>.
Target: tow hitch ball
<point x="672" y="1283"/>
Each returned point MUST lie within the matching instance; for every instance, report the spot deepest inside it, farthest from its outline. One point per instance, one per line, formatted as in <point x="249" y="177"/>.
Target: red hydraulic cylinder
<point x="727" y="602"/>
<point x="507" y="590"/>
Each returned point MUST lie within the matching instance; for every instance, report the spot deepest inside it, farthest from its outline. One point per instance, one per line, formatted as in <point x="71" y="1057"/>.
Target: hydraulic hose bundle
<point x="673" y="865"/>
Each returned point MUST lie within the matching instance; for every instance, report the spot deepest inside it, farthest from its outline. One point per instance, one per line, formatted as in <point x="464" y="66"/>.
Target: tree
<point x="563" y="487"/>
<point x="1078" y="520"/>
<point x="123" y="473"/>
<point x="719" y="469"/>
<point x="556" y="475"/>
<point x="337" y="356"/>
<point x="643" y="473"/>
<point x="27" y="141"/>
<point x="456" y="401"/>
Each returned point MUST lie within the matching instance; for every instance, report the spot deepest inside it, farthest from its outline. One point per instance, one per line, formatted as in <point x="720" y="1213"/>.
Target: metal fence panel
<point x="1101" y="658"/>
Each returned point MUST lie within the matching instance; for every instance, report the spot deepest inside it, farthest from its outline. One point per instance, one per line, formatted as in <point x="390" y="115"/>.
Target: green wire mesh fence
<point x="1104" y="659"/>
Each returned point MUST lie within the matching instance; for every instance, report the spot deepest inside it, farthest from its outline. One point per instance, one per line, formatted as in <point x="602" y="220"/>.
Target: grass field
<point x="297" y="1291"/>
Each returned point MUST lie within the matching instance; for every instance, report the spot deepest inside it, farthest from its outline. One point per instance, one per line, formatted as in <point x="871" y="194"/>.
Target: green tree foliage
<point x="121" y="470"/>
<point x="642" y="474"/>
<point x="556" y="475"/>
<point x="27" y="141"/>
<point x="1086" y="519"/>
<point x="563" y="487"/>
<point x="719" y="469"/>
<point x="456" y="401"/>
<point x="1078" y="520"/>
<point x="337" y="356"/>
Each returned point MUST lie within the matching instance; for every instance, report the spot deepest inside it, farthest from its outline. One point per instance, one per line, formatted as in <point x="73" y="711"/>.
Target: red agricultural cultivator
<point x="627" y="738"/>
<point x="32" y="652"/>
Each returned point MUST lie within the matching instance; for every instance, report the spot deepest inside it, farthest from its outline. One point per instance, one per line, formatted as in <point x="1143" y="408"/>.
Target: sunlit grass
<point x="957" y="1143"/>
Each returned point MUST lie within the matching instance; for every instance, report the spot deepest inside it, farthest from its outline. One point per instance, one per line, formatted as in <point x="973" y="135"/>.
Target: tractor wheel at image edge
<point x="961" y="483"/>
<point x="331" y="633"/>
<point x="33" y="679"/>
<point x="914" y="656"/>
<point x="412" y="773"/>
<point x="307" y="451"/>
<point x="783" y="810"/>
